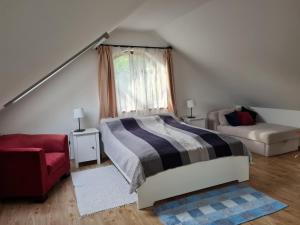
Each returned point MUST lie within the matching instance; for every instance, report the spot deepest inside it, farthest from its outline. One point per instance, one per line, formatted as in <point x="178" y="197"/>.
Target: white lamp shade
<point x="190" y="103"/>
<point x="78" y="113"/>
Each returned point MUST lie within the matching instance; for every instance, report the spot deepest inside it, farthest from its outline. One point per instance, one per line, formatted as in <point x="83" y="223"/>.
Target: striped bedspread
<point x="148" y="145"/>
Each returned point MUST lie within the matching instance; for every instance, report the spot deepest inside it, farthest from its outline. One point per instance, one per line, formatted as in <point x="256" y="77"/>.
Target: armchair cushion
<point x="54" y="161"/>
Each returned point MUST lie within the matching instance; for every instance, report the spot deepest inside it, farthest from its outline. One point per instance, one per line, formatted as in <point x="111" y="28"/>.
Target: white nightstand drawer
<point x="87" y="146"/>
<point x="199" y="123"/>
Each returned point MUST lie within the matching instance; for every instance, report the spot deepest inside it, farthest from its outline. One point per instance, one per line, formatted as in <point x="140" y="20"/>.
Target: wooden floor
<point x="278" y="177"/>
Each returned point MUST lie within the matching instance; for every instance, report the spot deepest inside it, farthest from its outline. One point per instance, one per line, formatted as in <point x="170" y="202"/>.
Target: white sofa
<point x="263" y="138"/>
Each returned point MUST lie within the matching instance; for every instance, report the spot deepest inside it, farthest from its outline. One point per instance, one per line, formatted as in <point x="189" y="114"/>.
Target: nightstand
<point x="197" y="121"/>
<point x="86" y="146"/>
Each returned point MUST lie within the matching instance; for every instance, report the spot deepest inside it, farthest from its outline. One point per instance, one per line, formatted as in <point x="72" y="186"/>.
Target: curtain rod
<point x="137" y="46"/>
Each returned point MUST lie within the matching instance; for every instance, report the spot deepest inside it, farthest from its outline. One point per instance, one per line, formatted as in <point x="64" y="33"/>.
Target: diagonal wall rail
<point x="95" y="43"/>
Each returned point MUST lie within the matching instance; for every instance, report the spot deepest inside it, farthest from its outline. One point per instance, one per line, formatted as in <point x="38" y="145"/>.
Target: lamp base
<point x="191" y="117"/>
<point x="79" y="130"/>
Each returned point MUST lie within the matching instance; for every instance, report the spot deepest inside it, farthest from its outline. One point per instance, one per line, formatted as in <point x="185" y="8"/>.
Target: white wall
<point x="49" y="109"/>
<point x="37" y="36"/>
<point x="250" y="47"/>
<point x="225" y="53"/>
<point x="279" y="116"/>
<point x="191" y="82"/>
<point x="156" y="13"/>
<point x="134" y="37"/>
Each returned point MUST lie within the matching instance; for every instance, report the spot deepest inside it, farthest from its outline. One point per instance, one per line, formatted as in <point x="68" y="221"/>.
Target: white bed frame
<point x="192" y="177"/>
<point x="188" y="178"/>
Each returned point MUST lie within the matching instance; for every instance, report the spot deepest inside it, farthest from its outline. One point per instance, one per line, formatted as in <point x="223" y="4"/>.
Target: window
<point x="141" y="80"/>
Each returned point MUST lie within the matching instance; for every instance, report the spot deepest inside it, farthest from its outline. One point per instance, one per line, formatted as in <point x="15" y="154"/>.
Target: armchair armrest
<point x="48" y="142"/>
<point x="51" y="142"/>
<point x="22" y="167"/>
<point x="24" y="151"/>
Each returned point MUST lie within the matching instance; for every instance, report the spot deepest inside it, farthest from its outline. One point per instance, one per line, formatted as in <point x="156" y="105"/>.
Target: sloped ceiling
<point x="37" y="36"/>
<point x="156" y="13"/>
<point x="250" y="48"/>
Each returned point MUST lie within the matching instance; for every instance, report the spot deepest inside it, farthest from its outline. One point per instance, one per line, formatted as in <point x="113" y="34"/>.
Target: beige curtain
<point x="171" y="87"/>
<point x="141" y="88"/>
<point x="107" y="92"/>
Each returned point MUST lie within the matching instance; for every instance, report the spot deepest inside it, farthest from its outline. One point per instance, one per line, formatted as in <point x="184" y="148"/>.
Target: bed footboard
<point x="192" y="177"/>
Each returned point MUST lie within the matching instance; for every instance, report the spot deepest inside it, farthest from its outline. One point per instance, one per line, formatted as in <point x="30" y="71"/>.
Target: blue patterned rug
<point x="234" y="204"/>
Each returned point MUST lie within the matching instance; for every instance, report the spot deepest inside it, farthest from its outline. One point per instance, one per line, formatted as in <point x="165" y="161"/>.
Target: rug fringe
<point x="105" y="210"/>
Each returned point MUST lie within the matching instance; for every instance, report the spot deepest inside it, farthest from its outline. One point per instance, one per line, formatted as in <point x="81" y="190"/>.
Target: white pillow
<point x="222" y="118"/>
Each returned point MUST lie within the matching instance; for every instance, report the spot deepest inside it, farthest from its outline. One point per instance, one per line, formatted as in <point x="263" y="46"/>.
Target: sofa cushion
<point x="252" y="113"/>
<point x="54" y="161"/>
<point x="233" y="119"/>
<point x="245" y="118"/>
<point x="222" y="119"/>
<point x="263" y="132"/>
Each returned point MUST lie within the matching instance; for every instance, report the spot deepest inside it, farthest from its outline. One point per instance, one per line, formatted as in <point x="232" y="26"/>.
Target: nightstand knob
<point x="93" y="147"/>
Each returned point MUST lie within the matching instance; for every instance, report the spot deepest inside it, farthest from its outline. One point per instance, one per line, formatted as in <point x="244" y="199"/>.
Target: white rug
<point x="100" y="189"/>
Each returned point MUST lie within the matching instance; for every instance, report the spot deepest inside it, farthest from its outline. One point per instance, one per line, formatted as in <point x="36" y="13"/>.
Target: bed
<point x="161" y="157"/>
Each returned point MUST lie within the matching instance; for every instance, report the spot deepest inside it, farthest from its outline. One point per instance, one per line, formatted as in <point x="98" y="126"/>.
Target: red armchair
<point x="31" y="164"/>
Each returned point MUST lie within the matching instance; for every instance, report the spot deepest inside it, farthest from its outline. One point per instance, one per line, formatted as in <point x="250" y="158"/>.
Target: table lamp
<point x="190" y="104"/>
<point x="78" y="114"/>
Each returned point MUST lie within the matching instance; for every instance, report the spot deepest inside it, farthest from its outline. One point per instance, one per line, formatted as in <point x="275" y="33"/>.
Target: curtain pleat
<point x="171" y="85"/>
<point x="106" y="78"/>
